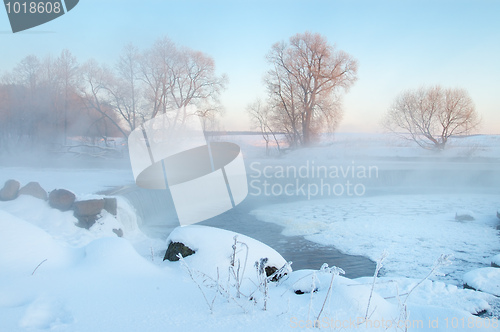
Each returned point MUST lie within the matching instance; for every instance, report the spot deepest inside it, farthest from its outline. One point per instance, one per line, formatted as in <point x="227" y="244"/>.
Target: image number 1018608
<point x="27" y="14"/>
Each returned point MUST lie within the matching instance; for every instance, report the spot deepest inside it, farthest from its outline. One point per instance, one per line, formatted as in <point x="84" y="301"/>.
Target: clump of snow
<point x="486" y="279"/>
<point x="214" y="251"/>
<point x="304" y="281"/>
<point x="496" y="260"/>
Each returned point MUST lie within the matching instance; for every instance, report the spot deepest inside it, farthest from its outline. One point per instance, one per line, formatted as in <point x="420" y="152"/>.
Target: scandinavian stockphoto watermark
<point x="26" y="14"/>
<point x="310" y="180"/>
<point x="205" y="179"/>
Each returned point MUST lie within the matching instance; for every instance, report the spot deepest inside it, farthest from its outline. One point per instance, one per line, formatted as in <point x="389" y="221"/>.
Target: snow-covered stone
<point x="485" y="279"/>
<point x="464" y="215"/>
<point x="61" y="199"/>
<point x="213" y="249"/>
<point x="495" y="261"/>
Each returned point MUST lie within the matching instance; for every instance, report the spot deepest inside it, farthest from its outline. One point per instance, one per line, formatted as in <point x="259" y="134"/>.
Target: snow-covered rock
<point x="304" y="281"/>
<point x="61" y="199"/>
<point x="485" y="279"/>
<point x="175" y="249"/>
<point x="464" y="215"/>
<point x="495" y="261"/>
<point x="213" y="249"/>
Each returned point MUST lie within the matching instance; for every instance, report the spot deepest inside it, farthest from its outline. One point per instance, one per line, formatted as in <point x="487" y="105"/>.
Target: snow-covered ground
<point x="48" y="282"/>
<point x="56" y="276"/>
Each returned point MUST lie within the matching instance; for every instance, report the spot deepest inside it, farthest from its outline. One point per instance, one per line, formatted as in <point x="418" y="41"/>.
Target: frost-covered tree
<point x="430" y="116"/>
<point x="305" y="83"/>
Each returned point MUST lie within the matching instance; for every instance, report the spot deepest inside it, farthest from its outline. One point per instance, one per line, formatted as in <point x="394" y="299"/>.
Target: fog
<point x="346" y="167"/>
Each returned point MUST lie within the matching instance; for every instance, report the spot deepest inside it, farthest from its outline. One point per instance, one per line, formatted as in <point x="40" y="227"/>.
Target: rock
<point x="91" y="207"/>
<point x="87" y="212"/>
<point x="34" y="189"/>
<point x="118" y="232"/>
<point x="270" y="270"/>
<point x="86" y="221"/>
<point x="300" y="292"/>
<point x="10" y="190"/>
<point x="304" y="282"/>
<point x="469" y="287"/>
<point x="61" y="199"/>
<point x="175" y="248"/>
<point x="111" y="205"/>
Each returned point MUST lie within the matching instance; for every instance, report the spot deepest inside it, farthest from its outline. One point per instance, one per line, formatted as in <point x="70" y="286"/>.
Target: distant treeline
<point x="45" y="101"/>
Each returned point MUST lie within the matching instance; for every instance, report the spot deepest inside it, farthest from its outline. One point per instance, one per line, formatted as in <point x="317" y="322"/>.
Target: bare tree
<point x="176" y="77"/>
<point x="261" y="117"/>
<point x="27" y="72"/>
<point x="127" y="94"/>
<point x="95" y="92"/>
<point x="67" y="72"/>
<point x="430" y="116"/>
<point x="305" y="83"/>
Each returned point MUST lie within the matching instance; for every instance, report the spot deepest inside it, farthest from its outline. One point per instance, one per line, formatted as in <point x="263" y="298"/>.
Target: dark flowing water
<point x="158" y="218"/>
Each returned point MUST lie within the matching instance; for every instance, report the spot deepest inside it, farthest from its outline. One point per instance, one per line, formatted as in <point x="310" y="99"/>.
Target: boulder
<point x="61" y="199"/>
<point x="87" y="212"/>
<point x="111" y="205"/>
<point x="118" y="232"/>
<point x="86" y="221"/>
<point x="175" y="248"/>
<point x="91" y="207"/>
<point x="34" y="189"/>
<point x="10" y="190"/>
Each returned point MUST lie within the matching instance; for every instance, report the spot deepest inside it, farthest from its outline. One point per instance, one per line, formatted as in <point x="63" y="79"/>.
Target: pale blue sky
<point x="399" y="44"/>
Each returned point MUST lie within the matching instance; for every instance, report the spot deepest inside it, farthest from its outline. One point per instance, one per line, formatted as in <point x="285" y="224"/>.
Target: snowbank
<point x="486" y="279"/>
<point x="430" y="293"/>
<point x="214" y="251"/>
<point x="495" y="260"/>
<point x="24" y="246"/>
